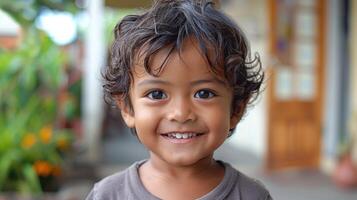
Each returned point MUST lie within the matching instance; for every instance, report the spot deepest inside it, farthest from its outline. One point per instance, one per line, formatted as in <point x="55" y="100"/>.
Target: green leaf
<point x="5" y="163"/>
<point x="6" y="142"/>
<point x="32" y="179"/>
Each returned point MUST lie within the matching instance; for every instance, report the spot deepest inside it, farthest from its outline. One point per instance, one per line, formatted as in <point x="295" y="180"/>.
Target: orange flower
<point x="46" y="134"/>
<point x="56" y="171"/>
<point x="42" y="168"/>
<point x="28" y="141"/>
<point x="62" y="143"/>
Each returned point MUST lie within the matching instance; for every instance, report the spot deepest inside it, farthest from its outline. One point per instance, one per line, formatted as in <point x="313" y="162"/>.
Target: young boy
<point x="182" y="77"/>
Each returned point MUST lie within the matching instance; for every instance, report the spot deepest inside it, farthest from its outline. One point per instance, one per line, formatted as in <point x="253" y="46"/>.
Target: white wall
<point x="8" y="27"/>
<point x="251" y="132"/>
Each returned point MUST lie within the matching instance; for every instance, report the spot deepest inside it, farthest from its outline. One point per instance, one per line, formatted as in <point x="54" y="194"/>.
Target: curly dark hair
<point x="167" y="24"/>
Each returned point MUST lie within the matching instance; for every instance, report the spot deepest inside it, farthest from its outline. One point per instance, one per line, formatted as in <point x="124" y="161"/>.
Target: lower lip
<point x="181" y="141"/>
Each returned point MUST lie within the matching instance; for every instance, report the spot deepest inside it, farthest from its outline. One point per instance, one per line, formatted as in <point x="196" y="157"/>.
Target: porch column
<point x="94" y="60"/>
<point x="353" y="78"/>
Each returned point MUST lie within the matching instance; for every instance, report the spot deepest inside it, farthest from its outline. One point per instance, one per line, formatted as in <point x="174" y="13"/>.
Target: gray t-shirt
<point x="127" y="185"/>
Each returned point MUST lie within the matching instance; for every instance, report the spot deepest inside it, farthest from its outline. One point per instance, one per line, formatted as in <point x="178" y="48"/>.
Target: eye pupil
<point x="157" y="94"/>
<point x="203" y="94"/>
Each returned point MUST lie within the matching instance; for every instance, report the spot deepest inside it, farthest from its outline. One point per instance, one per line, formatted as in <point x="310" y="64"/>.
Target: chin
<point x="184" y="161"/>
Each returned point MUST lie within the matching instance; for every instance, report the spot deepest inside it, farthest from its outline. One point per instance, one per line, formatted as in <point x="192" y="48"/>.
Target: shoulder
<point x="249" y="188"/>
<point x="112" y="187"/>
<point x="118" y="180"/>
<point x="252" y="188"/>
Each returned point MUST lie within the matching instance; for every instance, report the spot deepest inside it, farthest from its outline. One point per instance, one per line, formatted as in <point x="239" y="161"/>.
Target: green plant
<point x="30" y="140"/>
<point x="33" y="77"/>
<point x="25" y="12"/>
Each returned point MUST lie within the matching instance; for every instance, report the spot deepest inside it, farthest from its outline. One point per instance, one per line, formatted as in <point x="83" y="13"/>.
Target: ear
<point x="126" y="113"/>
<point x="237" y="115"/>
<point x="234" y="120"/>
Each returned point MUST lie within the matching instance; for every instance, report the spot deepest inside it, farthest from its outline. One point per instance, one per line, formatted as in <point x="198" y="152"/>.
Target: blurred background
<point x="57" y="136"/>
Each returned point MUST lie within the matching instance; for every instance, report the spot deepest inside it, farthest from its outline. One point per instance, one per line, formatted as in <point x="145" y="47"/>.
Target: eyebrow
<point x="193" y="83"/>
<point x="153" y="82"/>
<point x="211" y="80"/>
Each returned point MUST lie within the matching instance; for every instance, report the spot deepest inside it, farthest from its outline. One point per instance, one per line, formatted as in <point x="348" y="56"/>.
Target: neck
<point x="163" y="169"/>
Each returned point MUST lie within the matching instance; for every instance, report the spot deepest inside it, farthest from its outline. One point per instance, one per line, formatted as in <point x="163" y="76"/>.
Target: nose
<point x="181" y="110"/>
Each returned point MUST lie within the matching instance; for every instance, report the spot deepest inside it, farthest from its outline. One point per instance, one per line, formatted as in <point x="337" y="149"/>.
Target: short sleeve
<point x="91" y="196"/>
<point x="268" y="197"/>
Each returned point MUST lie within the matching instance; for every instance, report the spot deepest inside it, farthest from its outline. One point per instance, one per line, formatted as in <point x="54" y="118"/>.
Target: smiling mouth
<point x="182" y="135"/>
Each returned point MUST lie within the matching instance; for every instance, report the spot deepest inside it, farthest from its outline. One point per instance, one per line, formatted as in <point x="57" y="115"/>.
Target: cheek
<point x="218" y="118"/>
<point x="146" y="119"/>
<point x="221" y="122"/>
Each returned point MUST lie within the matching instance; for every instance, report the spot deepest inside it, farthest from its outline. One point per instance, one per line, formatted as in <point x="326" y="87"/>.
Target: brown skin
<point x="186" y="97"/>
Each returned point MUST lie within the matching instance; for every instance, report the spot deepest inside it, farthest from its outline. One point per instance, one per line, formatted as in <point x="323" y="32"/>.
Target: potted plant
<point x="345" y="174"/>
<point x="32" y="143"/>
<point x="32" y="163"/>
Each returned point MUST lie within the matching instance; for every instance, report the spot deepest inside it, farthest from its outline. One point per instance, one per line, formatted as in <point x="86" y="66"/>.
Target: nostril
<point x="181" y="111"/>
<point x="182" y="117"/>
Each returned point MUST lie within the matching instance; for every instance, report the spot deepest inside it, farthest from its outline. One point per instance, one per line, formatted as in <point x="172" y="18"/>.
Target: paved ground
<point x="120" y="152"/>
<point x="304" y="185"/>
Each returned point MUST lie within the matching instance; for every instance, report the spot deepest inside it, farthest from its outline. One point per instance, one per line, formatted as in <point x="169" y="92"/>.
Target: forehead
<point x="189" y="57"/>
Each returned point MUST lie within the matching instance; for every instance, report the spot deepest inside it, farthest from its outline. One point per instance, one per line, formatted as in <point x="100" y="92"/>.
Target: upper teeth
<point x="182" y="135"/>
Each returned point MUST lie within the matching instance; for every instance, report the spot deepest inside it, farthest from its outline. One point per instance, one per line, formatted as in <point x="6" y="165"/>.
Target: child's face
<point x="183" y="115"/>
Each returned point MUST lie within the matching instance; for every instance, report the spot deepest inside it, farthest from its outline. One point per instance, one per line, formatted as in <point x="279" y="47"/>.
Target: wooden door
<point x="295" y="83"/>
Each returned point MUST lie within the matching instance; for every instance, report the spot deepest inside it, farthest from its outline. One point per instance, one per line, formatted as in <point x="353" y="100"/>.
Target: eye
<point x="204" y="94"/>
<point x="156" y="95"/>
